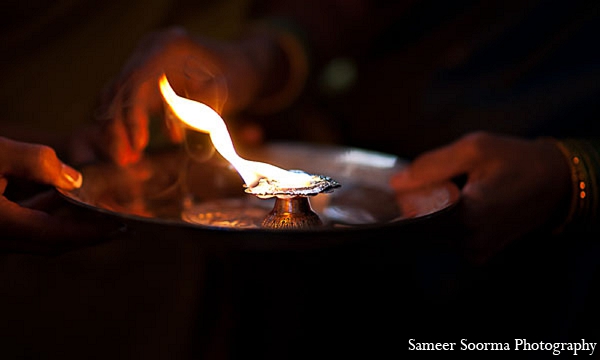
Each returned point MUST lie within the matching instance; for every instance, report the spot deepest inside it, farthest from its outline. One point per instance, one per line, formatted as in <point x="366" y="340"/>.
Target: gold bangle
<point x="584" y="199"/>
<point x="573" y="162"/>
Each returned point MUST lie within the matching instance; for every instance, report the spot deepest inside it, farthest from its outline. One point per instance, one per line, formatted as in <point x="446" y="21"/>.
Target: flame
<point x="204" y="119"/>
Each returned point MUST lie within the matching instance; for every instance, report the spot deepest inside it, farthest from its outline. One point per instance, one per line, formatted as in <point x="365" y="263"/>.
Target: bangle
<point x="584" y="162"/>
<point x="293" y="45"/>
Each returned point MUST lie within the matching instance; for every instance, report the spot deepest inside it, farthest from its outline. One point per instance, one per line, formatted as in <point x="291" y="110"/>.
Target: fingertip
<point x="134" y="157"/>
<point x="126" y="158"/>
<point x="121" y="160"/>
<point x="176" y="134"/>
<point x="141" y="140"/>
<point x="119" y="149"/>
<point x="72" y="176"/>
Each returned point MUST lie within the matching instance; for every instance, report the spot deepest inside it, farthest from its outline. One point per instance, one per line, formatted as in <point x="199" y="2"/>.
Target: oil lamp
<point x="292" y="209"/>
<point x="291" y="188"/>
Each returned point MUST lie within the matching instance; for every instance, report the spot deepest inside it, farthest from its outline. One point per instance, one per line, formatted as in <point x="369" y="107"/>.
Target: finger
<point x="435" y="166"/>
<point x="115" y="142"/>
<point x="38" y="163"/>
<point x="173" y="127"/>
<point x="137" y="118"/>
<point x="112" y="139"/>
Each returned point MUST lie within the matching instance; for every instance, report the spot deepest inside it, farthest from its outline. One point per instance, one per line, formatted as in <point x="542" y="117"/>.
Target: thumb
<point x="37" y="163"/>
<point x="432" y="167"/>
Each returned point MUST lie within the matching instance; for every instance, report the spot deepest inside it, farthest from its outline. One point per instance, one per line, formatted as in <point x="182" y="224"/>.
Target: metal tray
<point x="172" y="188"/>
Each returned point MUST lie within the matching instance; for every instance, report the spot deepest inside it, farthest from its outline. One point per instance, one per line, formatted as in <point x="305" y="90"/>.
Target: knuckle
<point x="476" y="141"/>
<point x="474" y="146"/>
<point x="477" y="137"/>
<point x="43" y="157"/>
<point x="45" y="153"/>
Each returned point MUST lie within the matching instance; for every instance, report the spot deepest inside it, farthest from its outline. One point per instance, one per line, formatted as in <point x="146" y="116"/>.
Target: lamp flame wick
<point x="203" y="118"/>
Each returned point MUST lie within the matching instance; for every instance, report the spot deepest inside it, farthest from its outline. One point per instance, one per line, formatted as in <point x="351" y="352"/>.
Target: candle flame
<point x="203" y="118"/>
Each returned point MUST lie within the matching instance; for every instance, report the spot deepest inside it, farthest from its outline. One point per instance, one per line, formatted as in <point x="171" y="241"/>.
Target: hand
<point x="225" y="76"/>
<point x="513" y="187"/>
<point x="27" y="227"/>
